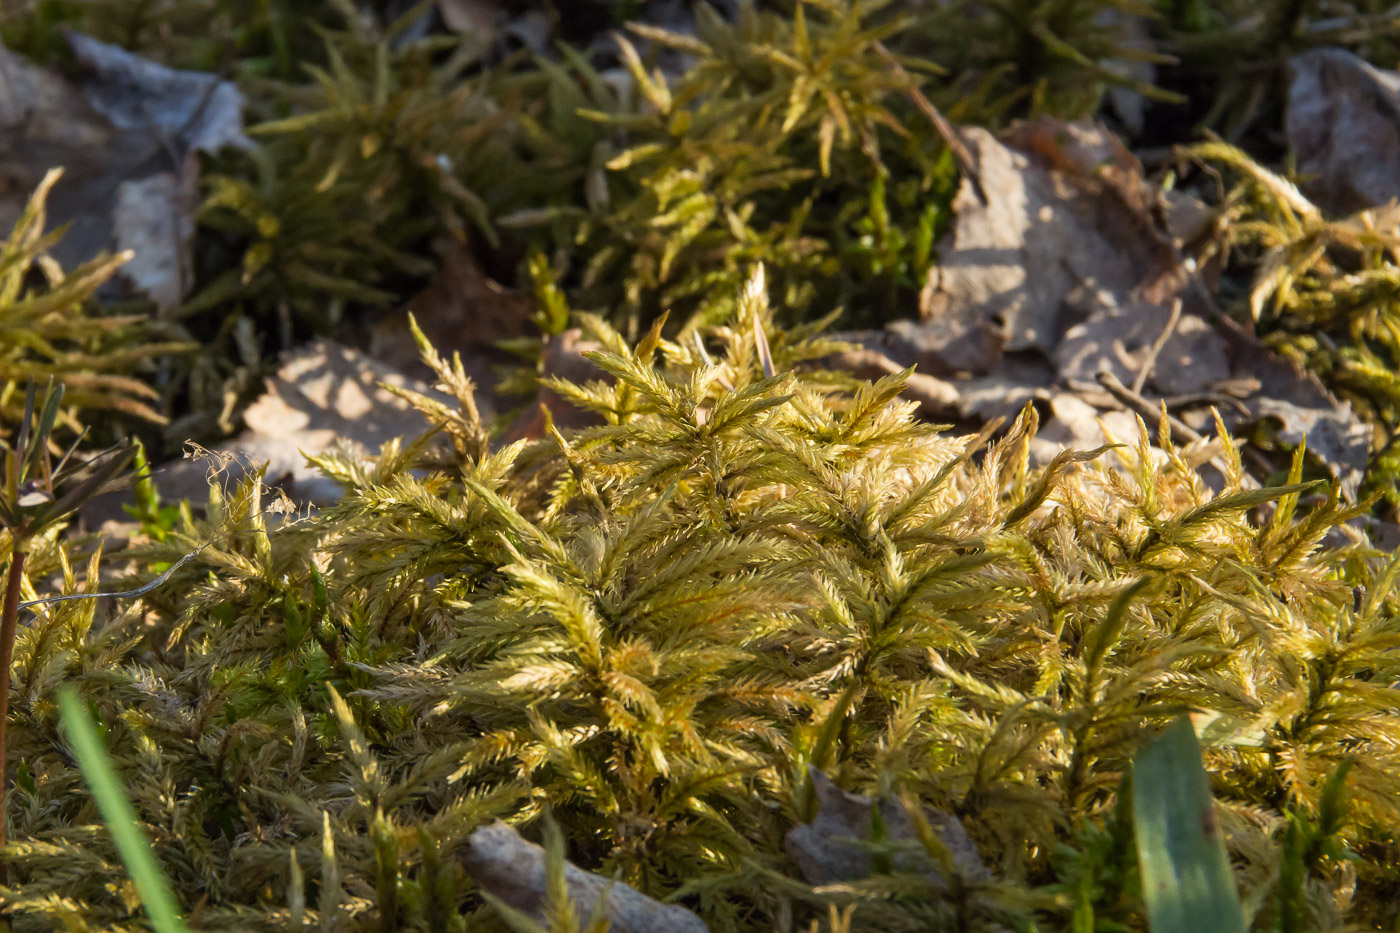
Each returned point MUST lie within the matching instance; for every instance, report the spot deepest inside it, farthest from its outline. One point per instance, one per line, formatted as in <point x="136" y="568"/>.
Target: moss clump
<point x="50" y="328"/>
<point x="1325" y="292"/>
<point x="393" y="143"/>
<point x="788" y="140"/>
<point x="656" y="625"/>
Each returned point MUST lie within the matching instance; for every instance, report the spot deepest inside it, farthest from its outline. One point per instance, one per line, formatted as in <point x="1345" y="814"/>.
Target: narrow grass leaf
<point x="116" y="810"/>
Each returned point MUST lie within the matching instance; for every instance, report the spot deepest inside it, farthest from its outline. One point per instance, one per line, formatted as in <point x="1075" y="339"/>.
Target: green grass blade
<point x="120" y="817"/>
<point x="1186" y="877"/>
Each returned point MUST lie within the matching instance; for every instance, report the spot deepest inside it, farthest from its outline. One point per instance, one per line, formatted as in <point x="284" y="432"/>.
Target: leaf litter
<point x="127" y="132"/>
<point x="1066" y="264"/>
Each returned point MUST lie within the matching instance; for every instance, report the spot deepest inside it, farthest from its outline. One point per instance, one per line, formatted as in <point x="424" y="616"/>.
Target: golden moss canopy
<point x="655" y="625"/>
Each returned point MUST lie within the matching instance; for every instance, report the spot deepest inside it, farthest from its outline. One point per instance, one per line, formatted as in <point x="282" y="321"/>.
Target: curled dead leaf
<point x="1343" y="120"/>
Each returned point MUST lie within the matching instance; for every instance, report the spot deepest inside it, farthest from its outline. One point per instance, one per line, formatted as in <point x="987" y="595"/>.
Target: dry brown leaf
<point x="936" y="397"/>
<point x="1343" y="123"/>
<point x="460" y="310"/>
<point x="324" y="396"/>
<point x="470" y="16"/>
<point x="1016" y="379"/>
<point x="125" y="135"/>
<point x="1068" y="209"/>
<point x="478" y="22"/>
<point x="1060" y="240"/>
<point x="562" y="358"/>
<point x="1192" y="360"/>
<point x="154" y="218"/>
<point x="1075" y="424"/>
<point x="1300" y="404"/>
<point x="1133" y="33"/>
<point x="192" y="109"/>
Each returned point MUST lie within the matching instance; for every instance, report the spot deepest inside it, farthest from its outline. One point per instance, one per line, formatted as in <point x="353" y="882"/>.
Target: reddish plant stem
<point x="7" y="646"/>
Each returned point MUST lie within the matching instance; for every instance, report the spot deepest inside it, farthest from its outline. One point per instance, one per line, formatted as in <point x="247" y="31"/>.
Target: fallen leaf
<point x="459" y="310"/>
<point x="935" y="396"/>
<point x="828" y="849"/>
<point x="1192" y="359"/>
<point x="191" y="109"/>
<point x="1075" y="424"/>
<point x="154" y="219"/>
<point x="1301" y="406"/>
<point x="1343" y="122"/>
<point x="1069" y="211"/>
<point x="1333" y="434"/>
<point x="533" y="30"/>
<point x="476" y="21"/>
<point x="1016" y="379"/>
<point x="125" y="133"/>
<point x="562" y="358"/>
<point x="469" y="15"/>
<point x="1133" y="34"/>
<point x="324" y="396"/>
<point x="918" y="344"/>
<point x="1062" y="248"/>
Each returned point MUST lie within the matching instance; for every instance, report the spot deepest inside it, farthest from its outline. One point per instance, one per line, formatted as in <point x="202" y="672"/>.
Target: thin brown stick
<point x="7" y="645"/>
<point x="1151" y="360"/>
<point x="1136" y="403"/>
<point x="951" y="137"/>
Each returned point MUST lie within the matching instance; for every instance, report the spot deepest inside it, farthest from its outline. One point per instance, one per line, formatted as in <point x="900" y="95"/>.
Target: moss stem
<point x="7" y="644"/>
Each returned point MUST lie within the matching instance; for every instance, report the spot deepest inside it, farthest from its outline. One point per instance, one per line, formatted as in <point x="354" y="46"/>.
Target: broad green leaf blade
<point x="120" y="817"/>
<point x="1186" y="877"/>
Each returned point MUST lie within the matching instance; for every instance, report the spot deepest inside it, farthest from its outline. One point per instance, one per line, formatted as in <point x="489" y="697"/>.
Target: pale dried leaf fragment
<point x="1127" y="99"/>
<point x="478" y="22"/>
<point x="829" y="849"/>
<point x="1303" y="408"/>
<point x="154" y="219"/>
<point x="470" y="16"/>
<point x="513" y="870"/>
<point x="1192" y="359"/>
<point x="125" y="133"/>
<point x="1004" y="391"/>
<point x="936" y="397"/>
<point x="192" y="109"/>
<point x="564" y="358"/>
<point x="460" y="310"/>
<point x="1038" y="224"/>
<point x="324" y="397"/>
<point x="1074" y="424"/>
